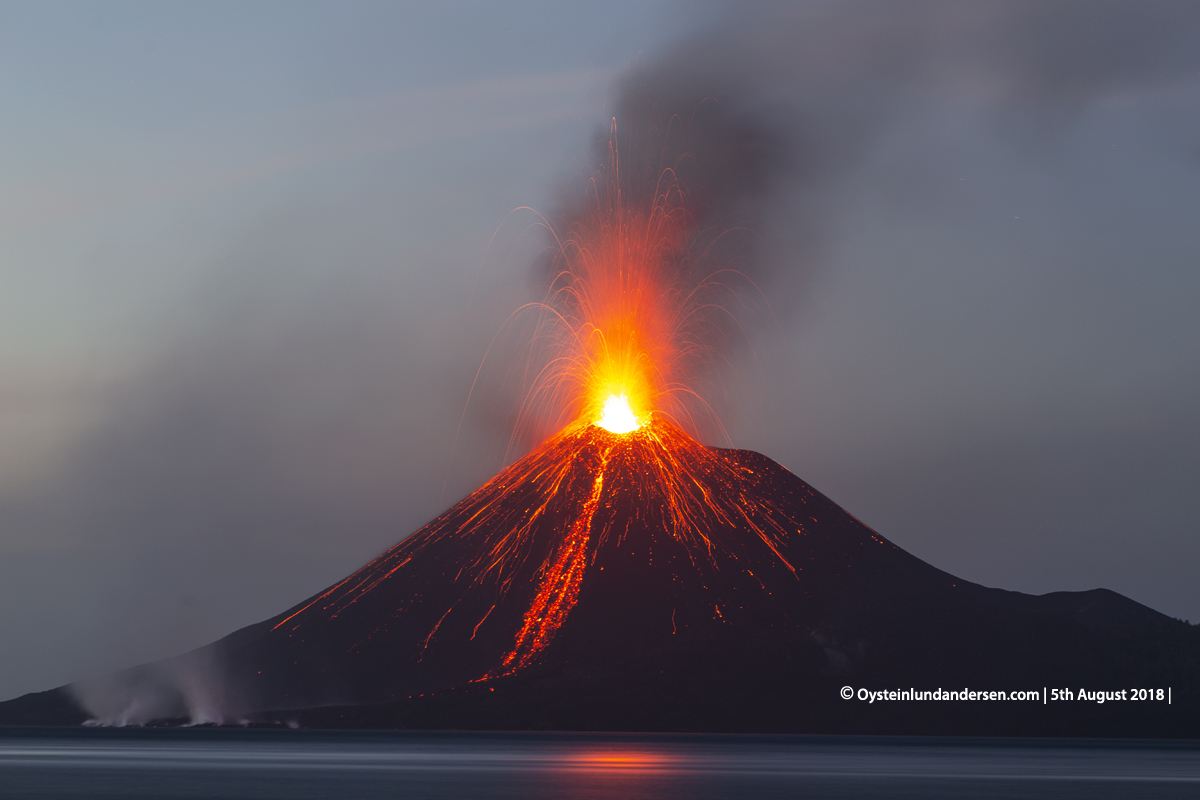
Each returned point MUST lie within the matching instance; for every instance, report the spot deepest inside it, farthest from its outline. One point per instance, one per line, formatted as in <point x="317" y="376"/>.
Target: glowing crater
<point x="617" y="416"/>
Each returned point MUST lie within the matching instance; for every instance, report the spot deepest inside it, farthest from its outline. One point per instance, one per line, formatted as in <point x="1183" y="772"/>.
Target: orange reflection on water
<point x="619" y="760"/>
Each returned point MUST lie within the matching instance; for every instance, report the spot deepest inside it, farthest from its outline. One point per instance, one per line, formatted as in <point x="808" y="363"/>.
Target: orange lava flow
<point x="559" y="587"/>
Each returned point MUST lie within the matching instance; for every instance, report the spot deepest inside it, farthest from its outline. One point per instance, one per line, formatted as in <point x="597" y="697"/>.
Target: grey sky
<point x="246" y="281"/>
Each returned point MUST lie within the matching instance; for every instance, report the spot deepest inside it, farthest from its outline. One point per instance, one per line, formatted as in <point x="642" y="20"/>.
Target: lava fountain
<point x="637" y="301"/>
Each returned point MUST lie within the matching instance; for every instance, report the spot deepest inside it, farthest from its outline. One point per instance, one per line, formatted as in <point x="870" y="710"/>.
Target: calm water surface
<point x="198" y="763"/>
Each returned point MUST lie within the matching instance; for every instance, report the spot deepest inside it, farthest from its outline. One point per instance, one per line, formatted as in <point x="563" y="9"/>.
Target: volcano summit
<point x="643" y="581"/>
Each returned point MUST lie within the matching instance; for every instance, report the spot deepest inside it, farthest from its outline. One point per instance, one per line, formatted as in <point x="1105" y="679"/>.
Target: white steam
<point x="188" y="686"/>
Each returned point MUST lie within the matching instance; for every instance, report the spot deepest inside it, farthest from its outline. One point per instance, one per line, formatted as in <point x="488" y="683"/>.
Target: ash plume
<point x="768" y="110"/>
<point x="760" y="122"/>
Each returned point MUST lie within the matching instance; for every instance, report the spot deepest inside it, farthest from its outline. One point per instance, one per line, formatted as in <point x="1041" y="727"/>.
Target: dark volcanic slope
<point x="729" y="542"/>
<point x="643" y="581"/>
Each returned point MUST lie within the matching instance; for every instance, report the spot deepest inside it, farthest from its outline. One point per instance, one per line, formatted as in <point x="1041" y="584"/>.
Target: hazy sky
<point x="247" y="275"/>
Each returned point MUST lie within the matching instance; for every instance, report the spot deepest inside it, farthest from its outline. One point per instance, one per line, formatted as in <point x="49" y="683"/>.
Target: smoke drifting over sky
<point x="798" y="93"/>
<point x="247" y="281"/>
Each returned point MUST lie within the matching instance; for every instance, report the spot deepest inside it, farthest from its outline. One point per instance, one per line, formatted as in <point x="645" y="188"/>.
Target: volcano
<point x="642" y="581"/>
<point x="623" y="576"/>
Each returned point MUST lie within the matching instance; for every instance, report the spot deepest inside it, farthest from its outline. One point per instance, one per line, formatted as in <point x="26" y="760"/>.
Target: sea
<point x="257" y="763"/>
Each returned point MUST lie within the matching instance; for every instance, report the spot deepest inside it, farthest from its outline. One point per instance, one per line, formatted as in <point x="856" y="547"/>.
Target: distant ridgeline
<point x="643" y="582"/>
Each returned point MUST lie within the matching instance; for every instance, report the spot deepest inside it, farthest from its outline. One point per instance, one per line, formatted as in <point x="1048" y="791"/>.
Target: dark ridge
<point x="53" y="707"/>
